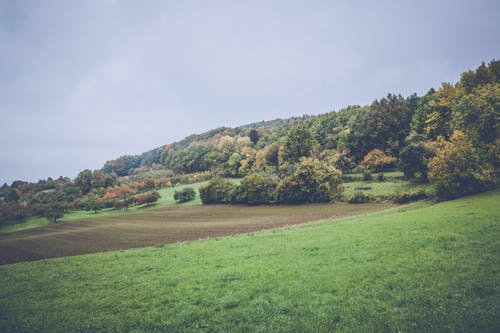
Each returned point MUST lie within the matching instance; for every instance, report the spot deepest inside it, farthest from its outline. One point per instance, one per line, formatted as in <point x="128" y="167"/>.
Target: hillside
<point x="416" y="269"/>
<point x="448" y="138"/>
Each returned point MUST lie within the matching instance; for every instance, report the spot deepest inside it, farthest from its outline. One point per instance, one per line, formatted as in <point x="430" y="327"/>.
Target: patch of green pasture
<point x="375" y="188"/>
<point x="421" y="268"/>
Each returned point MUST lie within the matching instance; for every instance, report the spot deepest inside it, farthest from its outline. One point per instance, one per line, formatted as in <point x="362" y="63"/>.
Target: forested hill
<point x="448" y="137"/>
<point x="158" y="157"/>
<point x="388" y="124"/>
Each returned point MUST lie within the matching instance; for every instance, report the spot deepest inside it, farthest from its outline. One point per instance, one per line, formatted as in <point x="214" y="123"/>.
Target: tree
<point x="477" y="114"/>
<point x="53" y="212"/>
<point x="123" y="203"/>
<point x="257" y="189"/>
<point x="413" y="159"/>
<point x="298" y="143"/>
<point x="218" y="190"/>
<point x="233" y="165"/>
<point x="457" y="168"/>
<point x="84" y="181"/>
<point x="122" y="191"/>
<point x="254" y="136"/>
<point x="147" y="198"/>
<point x="378" y="160"/>
<point x="93" y="202"/>
<point x="311" y="181"/>
<point x="389" y="123"/>
<point x="438" y="121"/>
<point x="184" y="195"/>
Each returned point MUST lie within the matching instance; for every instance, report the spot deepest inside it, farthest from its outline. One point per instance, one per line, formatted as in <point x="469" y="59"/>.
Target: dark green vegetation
<point x="449" y="137"/>
<point x="160" y="225"/>
<point x="185" y="195"/>
<point x="419" y="268"/>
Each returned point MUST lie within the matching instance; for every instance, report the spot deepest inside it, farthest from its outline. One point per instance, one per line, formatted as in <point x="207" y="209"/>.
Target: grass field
<point x="376" y="188"/>
<point x="160" y="225"/>
<point x="420" y="268"/>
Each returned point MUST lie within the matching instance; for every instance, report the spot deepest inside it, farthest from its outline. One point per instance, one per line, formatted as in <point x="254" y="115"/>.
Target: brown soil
<point x="156" y="226"/>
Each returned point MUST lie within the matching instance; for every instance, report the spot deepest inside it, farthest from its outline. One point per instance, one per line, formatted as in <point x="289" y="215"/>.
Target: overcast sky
<point x="82" y="82"/>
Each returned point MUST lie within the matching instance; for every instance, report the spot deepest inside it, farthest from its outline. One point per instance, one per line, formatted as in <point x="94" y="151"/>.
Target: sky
<point x="83" y="82"/>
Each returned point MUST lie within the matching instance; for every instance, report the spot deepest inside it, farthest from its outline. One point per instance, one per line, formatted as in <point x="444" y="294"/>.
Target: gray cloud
<point x="86" y="81"/>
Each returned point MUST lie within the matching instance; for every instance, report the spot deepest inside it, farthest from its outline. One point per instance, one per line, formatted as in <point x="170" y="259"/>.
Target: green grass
<point x="383" y="188"/>
<point x="419" y="268"/>
<point x="167" y="198"/>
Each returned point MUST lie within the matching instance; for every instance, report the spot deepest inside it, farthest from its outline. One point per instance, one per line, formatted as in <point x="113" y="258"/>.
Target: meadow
<point x="416" y="268"/>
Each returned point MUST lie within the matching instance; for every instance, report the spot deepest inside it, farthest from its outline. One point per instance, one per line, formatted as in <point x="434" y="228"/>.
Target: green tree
<point x="233" y="165"/>
<point x="84" y="181"/>
<point x="217" y="190"/>
<point x="298" y="143"/>
<point x="184" y="195"/>
<point x="439" y="113"/>
<point x="257" y="189"/>
<point x="254" y="136"/>
<point x="413" y="160"/>
<point x="93" y="202"/>
<point x="311" y="181"/>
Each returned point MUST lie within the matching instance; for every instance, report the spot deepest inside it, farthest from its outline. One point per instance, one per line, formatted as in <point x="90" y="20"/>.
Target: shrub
<point x="311" y="181"/>
<point x="457" y="169"/>
<point x="256" y="189"/>
<point x="413" y="159"/>
<point x="405" y="197"/>
<point x="147" y="198"/>
<point x="381" y="177"/>
<point x="218" y="190"/>
<point x="378" y="160"/>
<point x="184" y="195"/>
<point x="359" y="197"/>
<point x="367" y="175"/>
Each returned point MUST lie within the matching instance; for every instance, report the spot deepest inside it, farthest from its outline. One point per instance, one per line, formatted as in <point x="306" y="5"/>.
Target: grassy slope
<point x="429" y="268"/>
<point x="167" y="198"/>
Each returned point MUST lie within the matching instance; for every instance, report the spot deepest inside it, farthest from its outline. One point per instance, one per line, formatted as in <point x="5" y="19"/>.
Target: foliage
<point x="360" y="197"/>
<point x="184" y="195"/>
<point x="148" y="198"/>
<point x="311" y="181"/>
<point x="457" y="169"/>
<point x="367" y="175"/>
<point x="298" y="143"/>
<point x="340" y="139"/>
<point x="256" y="189"/>
<point x="124" y="203"/>
<point x="53" y="212"/>
<point x="218" y="190"/>
<point x="413" y="159"/>
<point x="92" y="202"/>
<point x="405" y="197"/>
<point x="377" y="160"/>
<point x="381" y="177"/>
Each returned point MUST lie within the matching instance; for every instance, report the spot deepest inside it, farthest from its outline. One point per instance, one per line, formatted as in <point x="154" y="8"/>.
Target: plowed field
<point x="157" y="226"/>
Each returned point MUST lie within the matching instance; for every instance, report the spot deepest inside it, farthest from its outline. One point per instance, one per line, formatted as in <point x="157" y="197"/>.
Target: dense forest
<point x="449" y="138"/>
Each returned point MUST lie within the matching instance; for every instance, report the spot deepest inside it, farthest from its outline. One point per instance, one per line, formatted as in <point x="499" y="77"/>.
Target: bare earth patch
<point x="166" y="224"/>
